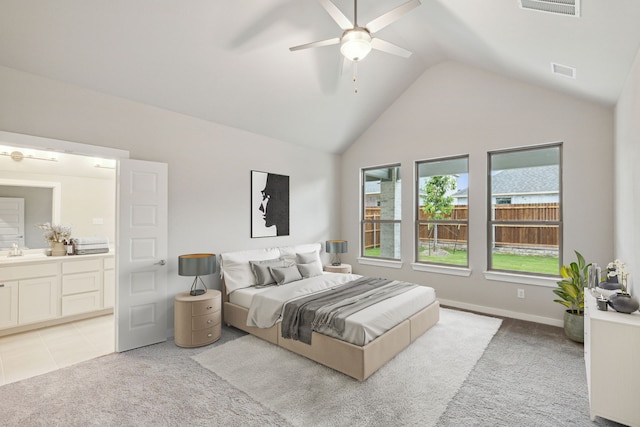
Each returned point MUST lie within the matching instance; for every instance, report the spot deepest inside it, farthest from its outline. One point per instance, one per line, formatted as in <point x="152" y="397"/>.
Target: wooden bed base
<point x="356" y="361"/>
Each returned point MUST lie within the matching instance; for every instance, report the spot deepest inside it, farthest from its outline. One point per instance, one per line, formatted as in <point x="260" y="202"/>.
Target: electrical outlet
<point x="520" y="293"/>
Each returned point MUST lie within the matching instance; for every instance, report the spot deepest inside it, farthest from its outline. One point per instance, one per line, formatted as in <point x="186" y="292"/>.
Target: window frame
<point x="363" y="221"/>
<point x="492" y="222"/>
<point x="418" y="222"/>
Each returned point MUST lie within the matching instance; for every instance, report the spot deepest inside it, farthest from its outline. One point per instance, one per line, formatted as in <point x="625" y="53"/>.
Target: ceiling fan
<point x="356" y="42"/>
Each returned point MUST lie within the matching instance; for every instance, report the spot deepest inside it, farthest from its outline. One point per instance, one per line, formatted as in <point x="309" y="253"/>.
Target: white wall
<point x="209" y="165"/>
<point x="453" y="109"/>
<point x="627" y="176"/>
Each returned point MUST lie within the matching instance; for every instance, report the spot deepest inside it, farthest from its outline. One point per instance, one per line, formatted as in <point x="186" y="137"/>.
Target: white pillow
<point x="236" y="271"/>
<point x="289" y="252"/>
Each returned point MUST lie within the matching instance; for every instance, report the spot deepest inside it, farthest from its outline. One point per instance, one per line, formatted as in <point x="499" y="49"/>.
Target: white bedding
<point x="266" y="305"/>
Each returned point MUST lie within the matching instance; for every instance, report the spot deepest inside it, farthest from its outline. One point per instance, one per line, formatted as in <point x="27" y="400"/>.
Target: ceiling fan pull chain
<point x="355" y="77"/>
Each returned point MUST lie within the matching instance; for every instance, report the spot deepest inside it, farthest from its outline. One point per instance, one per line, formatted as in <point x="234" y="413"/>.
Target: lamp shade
<point x="336" y="246"/>
<point x="196" y="264"/>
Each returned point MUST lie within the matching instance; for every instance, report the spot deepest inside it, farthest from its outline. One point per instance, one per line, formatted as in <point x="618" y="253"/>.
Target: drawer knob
<point x="1" y="285"/>
<point x="209" y="307"/>
<point x="209" y="321"/>
<point x="209" y="335"/>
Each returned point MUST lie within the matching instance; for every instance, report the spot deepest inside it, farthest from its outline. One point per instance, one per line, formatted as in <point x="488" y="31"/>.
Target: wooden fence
<point x="513" y="236"/>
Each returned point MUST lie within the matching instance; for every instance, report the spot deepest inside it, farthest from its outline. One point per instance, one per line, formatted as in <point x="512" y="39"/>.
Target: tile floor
<point x="36" y="352"/>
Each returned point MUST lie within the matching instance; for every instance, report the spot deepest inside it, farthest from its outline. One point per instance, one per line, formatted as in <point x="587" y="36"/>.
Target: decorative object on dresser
<point x="336" y="247"/>
<point x="571" y="292"/>
<point x="56" y="235"/>
<point x="614" y="289"/>
<point x="197" y="319"/>
<point x="197" y="265"/>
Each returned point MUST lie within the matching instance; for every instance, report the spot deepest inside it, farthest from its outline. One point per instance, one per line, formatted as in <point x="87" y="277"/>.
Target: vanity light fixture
<point x="17" y="156"/>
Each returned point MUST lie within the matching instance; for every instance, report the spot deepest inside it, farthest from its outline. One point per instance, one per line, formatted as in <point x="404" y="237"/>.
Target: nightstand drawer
<point x="206" y="336"/>
<point x="205" y="321"/>
<point x="203" y="307"/>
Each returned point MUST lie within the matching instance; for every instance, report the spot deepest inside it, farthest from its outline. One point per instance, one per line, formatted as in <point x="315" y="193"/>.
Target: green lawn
<point x="525" y="263"/>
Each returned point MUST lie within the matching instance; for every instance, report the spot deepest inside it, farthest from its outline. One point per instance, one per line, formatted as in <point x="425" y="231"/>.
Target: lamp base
<point x="197" y="292"/>
<point x="335" y="264"/>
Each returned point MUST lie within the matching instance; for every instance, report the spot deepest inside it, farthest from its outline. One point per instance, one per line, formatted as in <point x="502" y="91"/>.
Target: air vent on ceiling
<point x="559" y="7"/>
<point x="563" y="70"/>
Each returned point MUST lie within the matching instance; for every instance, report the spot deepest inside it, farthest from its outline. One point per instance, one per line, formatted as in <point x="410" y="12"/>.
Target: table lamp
<point x="197" y="265"/>
<point x="336" y="247"/>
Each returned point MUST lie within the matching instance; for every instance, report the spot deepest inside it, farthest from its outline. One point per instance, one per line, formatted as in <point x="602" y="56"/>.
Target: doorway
<point x="88" y="203"/>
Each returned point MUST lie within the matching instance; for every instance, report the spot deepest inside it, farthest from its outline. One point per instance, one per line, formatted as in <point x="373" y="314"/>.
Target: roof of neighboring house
<point x="541" y="179"/>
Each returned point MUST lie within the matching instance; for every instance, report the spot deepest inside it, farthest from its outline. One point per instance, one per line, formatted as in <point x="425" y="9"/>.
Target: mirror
<point x="41" y="204"/>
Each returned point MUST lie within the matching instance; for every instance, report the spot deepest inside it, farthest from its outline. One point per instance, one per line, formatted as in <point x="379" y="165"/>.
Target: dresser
<point x="197" y="319"/>
<point x="612" y="355"/>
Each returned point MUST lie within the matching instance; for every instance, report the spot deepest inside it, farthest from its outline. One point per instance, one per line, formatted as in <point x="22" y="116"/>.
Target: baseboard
<point x="502" y="313"/>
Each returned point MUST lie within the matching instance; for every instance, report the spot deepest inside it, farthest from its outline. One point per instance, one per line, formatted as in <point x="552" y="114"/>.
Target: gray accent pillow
<point x="285" y="274"/>
<point x="310" y="270"/>
<point x="262" y="273"/>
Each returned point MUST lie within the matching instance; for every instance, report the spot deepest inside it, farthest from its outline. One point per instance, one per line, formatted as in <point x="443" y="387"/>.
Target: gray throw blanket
<point x="333" y="306"/>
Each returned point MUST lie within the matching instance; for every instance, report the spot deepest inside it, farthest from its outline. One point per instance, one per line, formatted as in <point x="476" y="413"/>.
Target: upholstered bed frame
<point x="355" y="361"/>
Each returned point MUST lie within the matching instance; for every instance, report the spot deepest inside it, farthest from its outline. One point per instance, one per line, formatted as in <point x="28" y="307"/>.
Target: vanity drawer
<point x="82" y="282"/>
<point x="29" y="270"/>
<point x="80" y="303"/>
<point x="70" y="267"/>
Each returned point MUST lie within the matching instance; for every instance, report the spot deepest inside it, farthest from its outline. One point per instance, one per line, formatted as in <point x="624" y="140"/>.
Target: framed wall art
<point x="269" y="204"/>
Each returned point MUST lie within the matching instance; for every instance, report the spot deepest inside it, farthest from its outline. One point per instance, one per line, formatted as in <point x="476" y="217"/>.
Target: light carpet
<point x="411" y="389"/>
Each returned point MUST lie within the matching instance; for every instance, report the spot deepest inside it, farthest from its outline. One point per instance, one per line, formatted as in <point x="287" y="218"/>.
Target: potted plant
<point x="571" y="292"/>
<point x="56" y="235"/>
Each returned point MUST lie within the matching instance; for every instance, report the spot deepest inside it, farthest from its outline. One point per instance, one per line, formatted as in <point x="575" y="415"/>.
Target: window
<point x="442" y="196"/>
<point x="381" y="212"/>
<point x="525" y="210"/>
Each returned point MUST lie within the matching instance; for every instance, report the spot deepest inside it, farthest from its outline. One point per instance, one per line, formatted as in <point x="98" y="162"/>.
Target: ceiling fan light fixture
<point x="355" y="44"/>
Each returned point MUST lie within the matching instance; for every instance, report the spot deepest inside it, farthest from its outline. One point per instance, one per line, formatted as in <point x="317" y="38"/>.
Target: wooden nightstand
<point x="342" y="268"/>
<point x="197" y="319"/>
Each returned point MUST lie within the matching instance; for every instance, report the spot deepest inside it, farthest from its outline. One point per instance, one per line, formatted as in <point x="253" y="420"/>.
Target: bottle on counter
<point x="69" y="246"/>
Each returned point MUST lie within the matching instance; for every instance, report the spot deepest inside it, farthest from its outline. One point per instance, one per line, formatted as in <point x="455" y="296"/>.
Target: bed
<point x="367" y="339"/>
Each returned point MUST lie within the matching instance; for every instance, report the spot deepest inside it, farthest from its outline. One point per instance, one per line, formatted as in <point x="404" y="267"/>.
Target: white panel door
<point x="141" y="312"/>
<point x="11" y="222"/>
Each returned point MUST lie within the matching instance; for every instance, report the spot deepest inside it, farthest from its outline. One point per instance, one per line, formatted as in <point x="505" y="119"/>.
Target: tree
<point x="435" y="201"/>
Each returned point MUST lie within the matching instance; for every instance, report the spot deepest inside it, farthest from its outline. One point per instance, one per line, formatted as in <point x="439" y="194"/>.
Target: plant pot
<point x="574" y="326"/>
<point x="622" y="302"/>
<point x="58" y="249"/>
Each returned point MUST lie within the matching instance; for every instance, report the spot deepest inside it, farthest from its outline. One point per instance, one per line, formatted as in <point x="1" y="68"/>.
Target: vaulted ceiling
<point x="227" y="61"/>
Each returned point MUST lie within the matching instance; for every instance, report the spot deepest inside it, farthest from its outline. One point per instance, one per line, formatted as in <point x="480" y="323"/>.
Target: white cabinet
<point x="612" y="351"/>
<point x="109" y="282"/>
<point x="37" y="299"/>
<point x="39" y="293"/>
<point x="8" y="304"/>
<point x="81" y="286"/>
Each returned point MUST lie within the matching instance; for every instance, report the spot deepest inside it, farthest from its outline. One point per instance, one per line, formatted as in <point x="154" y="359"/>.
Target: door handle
<point x="161" y="262"/>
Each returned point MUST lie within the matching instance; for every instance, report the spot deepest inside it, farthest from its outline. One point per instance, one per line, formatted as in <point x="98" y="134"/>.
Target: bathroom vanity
<point x="38" y="290"/>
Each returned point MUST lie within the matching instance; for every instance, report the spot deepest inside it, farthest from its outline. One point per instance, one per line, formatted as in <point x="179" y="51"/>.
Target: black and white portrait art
<point x="269" y="204"/>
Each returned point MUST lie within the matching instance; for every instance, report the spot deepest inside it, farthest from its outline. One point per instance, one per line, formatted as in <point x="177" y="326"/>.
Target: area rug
<point x="411" y="389"/>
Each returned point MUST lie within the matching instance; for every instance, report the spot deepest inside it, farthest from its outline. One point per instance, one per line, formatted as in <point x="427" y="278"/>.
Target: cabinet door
<point x="38" y="299"/>
<point x="8" y="304"/>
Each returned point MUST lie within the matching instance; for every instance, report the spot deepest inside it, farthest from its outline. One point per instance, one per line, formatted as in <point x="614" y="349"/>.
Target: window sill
<point x="441" y="269"/>
<point x="380" y="262"/>
<point x="547" y="282"/>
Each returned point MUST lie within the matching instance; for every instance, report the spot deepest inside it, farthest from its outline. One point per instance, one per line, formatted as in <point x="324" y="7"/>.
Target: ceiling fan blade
<point x="319" y="43"/>
<point x="383" y="20"/>
<point x="342" y="21"/>
<point x="391" y="48"/>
